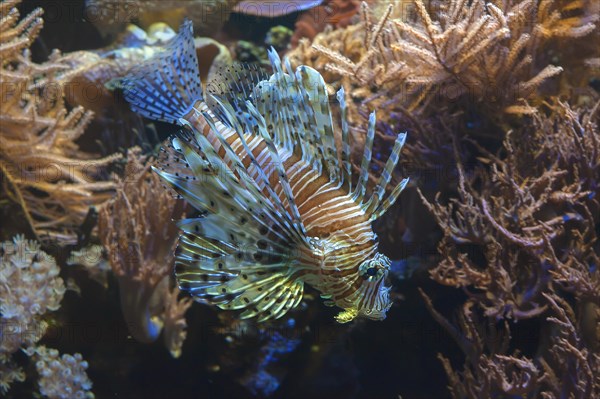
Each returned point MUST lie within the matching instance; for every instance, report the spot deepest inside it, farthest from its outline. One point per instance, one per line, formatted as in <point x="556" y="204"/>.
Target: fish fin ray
<point x="166" y="86"/>
<point x="379" y="191"/>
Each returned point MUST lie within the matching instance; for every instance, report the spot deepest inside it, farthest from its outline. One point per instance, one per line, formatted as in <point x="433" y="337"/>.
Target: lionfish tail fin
<point x="244" y="250"/>
<point x="166" y="86"/>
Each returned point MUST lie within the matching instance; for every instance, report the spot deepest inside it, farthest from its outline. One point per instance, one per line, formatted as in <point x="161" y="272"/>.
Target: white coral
<point x="62" y="376"/>
<point x="29" y="287"/>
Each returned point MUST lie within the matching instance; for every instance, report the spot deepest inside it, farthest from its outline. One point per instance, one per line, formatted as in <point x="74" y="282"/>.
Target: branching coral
<point x="29" y="288"/>
<point x="138" y="231"/>
<point x="523" y="229"/>
<point x="565" y="368"/>
<point x="532" y="217"/>
<point x="43" y="170"/>
<point x="412" y="56"/>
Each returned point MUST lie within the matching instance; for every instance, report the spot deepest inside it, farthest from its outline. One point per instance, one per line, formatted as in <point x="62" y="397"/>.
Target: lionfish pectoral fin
<point x="244" y="250"/>
<point x="346" y="316"/>
<point x="236" y="280"/>
<point x="166" y="86"/>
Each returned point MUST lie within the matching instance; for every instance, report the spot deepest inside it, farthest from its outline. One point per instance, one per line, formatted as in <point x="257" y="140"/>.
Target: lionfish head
<point x="374" y="300"/>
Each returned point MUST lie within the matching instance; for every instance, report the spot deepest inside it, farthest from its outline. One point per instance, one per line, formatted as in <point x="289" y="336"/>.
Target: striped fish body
<point x="257" y="158"/>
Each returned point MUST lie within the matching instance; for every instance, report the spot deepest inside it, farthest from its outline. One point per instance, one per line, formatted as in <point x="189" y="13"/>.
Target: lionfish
<point x="276" y="204"/>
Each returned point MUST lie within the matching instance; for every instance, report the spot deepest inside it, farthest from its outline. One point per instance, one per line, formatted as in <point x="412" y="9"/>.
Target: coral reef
<point x="531" y="215"/>
<point x="498" y="231"/>
<point x="44" y="171"/>
<point x="29" y="287"/>
<point x="564" y="369"/>
<point x="519" y="227"/>
<point x="138" y="231"/>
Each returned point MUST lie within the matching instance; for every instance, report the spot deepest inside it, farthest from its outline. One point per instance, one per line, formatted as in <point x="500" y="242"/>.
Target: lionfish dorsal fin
<point x="233" y="84"/>
<point x="378" y="203"/>
<point x="251" y="121"/>
<point x="346" y="163"/>
<point x="374" y="206"/>
<point x="361" y="187"/>
<point x="316" y="100"/>
<point x="166" y="86"/>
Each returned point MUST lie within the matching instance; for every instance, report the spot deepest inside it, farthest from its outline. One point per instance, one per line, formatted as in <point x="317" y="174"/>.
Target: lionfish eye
<point x="374" y="268"/>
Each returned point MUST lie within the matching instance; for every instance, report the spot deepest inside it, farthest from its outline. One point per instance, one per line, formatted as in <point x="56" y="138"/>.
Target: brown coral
<point x="564" y="368"/>
<point x="44" y="171"/>
<point x="522" y="230"/>
<point x="412" y="56"/>
<point x="138" y="231"/>
<point x="532" y="217"/>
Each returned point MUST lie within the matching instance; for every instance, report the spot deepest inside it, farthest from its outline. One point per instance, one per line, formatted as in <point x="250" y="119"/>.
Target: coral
<point x="62" y="377"/>
<point x="278" y="37"/>
<point x="484" y="52"/>
<point x="91" y="259"/>
<point x="532" y="216"/>
<point x="9" y="373"/>
<point x="112" y="16"/>
<point x="174" y="324"/>
<point x="29" y="288"/>
<point x="336" y="13"/>
<point x="44" y="171"/>
<point x="564" y="368"/>
<point x="138" y="232"/>
<point x="520" y="235"/>
<point x="248" y="52"/>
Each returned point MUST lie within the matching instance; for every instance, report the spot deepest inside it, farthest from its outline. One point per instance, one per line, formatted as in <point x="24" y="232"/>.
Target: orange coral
<point x="138" y="231"/>
<point x="44" y="171"/>
<point x="337" y="13"/>
<point x="485" y="52"/>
